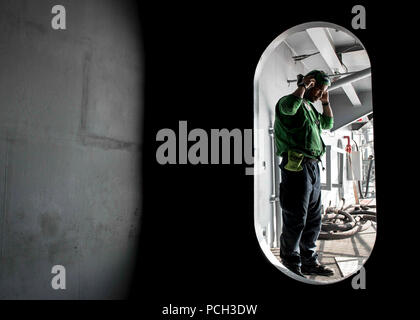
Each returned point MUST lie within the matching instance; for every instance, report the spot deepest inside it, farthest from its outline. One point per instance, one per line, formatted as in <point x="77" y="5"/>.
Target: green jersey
<point x="298" y="126"/>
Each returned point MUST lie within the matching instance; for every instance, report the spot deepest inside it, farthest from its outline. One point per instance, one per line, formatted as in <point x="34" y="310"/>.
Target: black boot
<point x="295" y="268"/>
<point x="317" y="269"/>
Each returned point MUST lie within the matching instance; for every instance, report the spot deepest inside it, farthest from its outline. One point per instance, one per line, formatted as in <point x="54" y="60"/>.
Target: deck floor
<point x="358" y="247"/>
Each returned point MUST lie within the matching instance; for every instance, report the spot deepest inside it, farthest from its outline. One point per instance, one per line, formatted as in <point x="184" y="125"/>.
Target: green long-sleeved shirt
<point x="298" y="128"/>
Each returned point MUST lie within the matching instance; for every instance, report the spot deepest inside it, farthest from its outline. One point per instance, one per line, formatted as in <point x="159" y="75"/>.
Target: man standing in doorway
<point x="298" y="140"/>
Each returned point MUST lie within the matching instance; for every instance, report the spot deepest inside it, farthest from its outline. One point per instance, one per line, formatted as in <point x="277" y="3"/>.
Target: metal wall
<point x="272" y="85"/>
<point x="70" y="123"/>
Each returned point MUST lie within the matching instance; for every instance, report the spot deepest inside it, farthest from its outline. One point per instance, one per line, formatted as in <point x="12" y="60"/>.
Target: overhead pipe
<point x="335" y="75"/>
<point x="351" y="78"/>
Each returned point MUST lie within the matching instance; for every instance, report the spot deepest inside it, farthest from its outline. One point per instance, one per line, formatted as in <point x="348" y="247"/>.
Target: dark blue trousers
<point x="300" y="200"/>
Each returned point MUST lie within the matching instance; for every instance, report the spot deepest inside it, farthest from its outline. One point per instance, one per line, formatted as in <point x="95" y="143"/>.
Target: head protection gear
<point x="321" y="77"/>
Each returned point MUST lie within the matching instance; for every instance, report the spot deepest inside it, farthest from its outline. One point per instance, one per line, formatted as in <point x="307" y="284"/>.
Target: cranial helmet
<point x="320" y="77"/>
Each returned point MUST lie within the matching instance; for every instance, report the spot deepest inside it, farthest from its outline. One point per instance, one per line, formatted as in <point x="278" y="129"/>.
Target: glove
<point x="300" y="80"/>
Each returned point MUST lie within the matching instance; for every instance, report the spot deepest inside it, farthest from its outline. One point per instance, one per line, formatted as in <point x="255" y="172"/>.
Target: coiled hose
<point x="340" y="224"/>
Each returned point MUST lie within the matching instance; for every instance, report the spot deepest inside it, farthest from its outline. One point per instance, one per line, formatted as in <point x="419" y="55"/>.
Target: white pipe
<point x="273" y="190"/>
<point x="351" y="78"/>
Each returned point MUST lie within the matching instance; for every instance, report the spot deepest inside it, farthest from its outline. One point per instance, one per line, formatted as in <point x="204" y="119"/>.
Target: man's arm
<point x="327" y="110"/>
<point x="299" y="92"/>
<point x="327" y="118"/>
<point x="306" y="83"/>
<point x="288" y="105"/>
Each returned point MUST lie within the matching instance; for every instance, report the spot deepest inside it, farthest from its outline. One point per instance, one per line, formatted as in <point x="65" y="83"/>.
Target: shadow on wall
<point x="337" y="52"/>
<point x="70" y="123"/>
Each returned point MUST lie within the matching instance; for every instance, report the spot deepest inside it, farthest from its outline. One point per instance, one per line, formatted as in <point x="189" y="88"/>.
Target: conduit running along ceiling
<point x="338" y="52"/>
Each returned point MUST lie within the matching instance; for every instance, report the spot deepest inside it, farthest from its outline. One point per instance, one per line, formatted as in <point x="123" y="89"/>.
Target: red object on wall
<point x="348" y="146"/>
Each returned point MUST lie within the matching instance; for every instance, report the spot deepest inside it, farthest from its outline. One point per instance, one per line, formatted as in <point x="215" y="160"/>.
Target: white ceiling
<point x="353" y="59"/>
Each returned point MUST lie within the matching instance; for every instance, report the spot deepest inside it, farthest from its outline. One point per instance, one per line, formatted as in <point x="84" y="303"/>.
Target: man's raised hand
<point x="309" y="81"/>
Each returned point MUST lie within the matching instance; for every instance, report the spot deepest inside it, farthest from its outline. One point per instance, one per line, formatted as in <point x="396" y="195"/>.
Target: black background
<point x="197" y="240"/>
